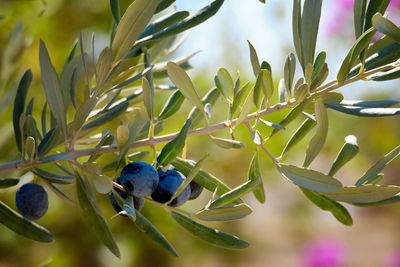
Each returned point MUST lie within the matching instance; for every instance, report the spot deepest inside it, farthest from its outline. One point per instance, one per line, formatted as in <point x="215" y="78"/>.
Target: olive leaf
<point x="364" y="193"/>
<point x="347" y="152"/>
<point x="254" y="173"/>
<point x="208" y="234"/>
<point x="227" y="213"/>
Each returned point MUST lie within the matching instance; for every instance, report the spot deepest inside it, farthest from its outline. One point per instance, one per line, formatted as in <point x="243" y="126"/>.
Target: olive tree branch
<point x="19" y="165"/>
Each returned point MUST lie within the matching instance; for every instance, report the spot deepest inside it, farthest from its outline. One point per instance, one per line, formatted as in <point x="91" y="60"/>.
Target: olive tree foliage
<point x="86" y="95"/>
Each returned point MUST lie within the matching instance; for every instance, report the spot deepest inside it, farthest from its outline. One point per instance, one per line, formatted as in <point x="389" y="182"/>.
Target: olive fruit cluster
<point x="31" y="200"/>
<point x="140" y="179"/>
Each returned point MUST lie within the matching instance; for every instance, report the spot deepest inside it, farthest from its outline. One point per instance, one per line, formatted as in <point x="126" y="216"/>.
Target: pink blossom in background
<point x="393" y="259"/>
<point x="324" y="253"/>
<point x="341" y="13"/>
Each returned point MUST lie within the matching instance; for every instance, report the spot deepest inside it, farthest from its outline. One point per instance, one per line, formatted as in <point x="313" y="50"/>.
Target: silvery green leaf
<point x="235" y="193"/>
<point x="172" y="106"/>
<point x="103" y="66"/>
<point x="300" y="133"/>
<point x="19" y="105"/>
<point x="246" y="108"/>
<point x="129" y="209"/>
<point x="8" y="182"/>
<point x="138" y="156"/>
<point x="106" y="139"/>
<point x="131" y="25"/>
<point x="254" y="173"/>
<point x="179" y="77"/>
<point x="254" y="59"/>
<point x="346" y="153"/>
<point x="296" y="28"/>
<point x="83" y="113"/>
<point x="183" y="25"/>
<point x="228" y="213"/>
<point x="164" y="22"/>
<point x="227" y="143"/>
<point x="358" y="47"/>
<point x="391" y="200"/>
<point x="48" y="141"/>
<point x="148" y="98"/>
<point x="373" y="8"/>
<point x="283" y="92"/>
<point x="310" y="179"/>
<point x="359" y="9"/>
<point x="309" y="29"/>
<point x="364" y="111"/>
<point x="171" y="150"/>
<point x="378" y="166"/>
<point x="224" y="83"/>
<point x="114" y="5"/>
<point x="92" y="213"/>
<point x="324" y="203"/>
<point x="370" y="104"/>
<point x="52" y="87"/>
<point x="208" y="111"/>
<point x="208" y="234"/>
<point x="23" y="226"/>
<point x="386" y="26"/>
<point x="108" y="116"/>
<point x="289" y="72"/>
<point x="318" y="141"/>
<point x="256" y="137"/>
<point x="271" y="124"/>
<point x="30" y="147"/>
<point x="122" y="135"/>
<point x="301" y="92"/>
<point x="238" y="98"/>
<point x="153" y="233"/>
<point x="364" y="193"/>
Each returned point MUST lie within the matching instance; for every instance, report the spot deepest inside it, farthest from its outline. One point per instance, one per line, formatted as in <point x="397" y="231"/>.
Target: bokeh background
<point x="285" y="231"/>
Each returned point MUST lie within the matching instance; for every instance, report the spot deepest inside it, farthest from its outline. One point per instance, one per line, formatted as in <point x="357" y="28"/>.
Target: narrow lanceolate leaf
<point x="114" y="5"/>
<point x="255" y="63"/>
<point x="300" y="133"/>
<point x="208" y="234"/>
<point x="148" y="98"/>
<point x="48" y="141"/>
<point x="364" y="193"/>
<point x="289" y="71"/>
<point x="385" y="26"/>
<point x="138" y="156"/>
<point x="224" y="83"/>
<point x="378" y="166"/>
<point x="318" y="141"/>
<point x="263" y="84"/>
<point x="324" y="203"/>
<point x="128" y="208"/>
<point x="172" y="106"/>
<point x="171" y="150"/>
<point x="350" y="60"/>
<point x="310" y="179"/>
<point x="235" y="193"/>
<point x="185" y="24"/>
<point x="229" y="213"/>
<point x="309" y="29"/>
<point x="359" y="9"/>
<point x="92" y="213"/>
<point x="391" y="200"/>
<point x="364" y="111"/>
<point x="23" y="226"/>
<point x="83" y="112"/>
<point x="203" y="178"/>
<point x="106" y="139"/>
<point x="373" y="8"/>
<point x="296" y="25"/>
<point x="181" y="80"/>
<point x="8" y="182"/>
<point x="132" y="24"/>
<point x="52" y="88"/>
<point x="164" y="22"/>
<point x="246" y="108"/>
<point x="255" y="174"/>
<point x="19" y="105"/>
<point x="370" y="104"/>
<point x="292" y="115"/>
<point x="227" y="143"/>
<point x="103" y="67"/>
<point x="195" y="114"/>
<point x="108" y="116"/>
<point x="348" y="151"/>
<point x="238" y="99"/>
<point x="193" y="172"/>
<point x="282" y="91"/>
<point x="152" y="232"/>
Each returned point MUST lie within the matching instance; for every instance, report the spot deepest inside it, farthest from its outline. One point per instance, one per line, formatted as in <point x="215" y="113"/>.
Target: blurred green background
<point x="282" y="232"/>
